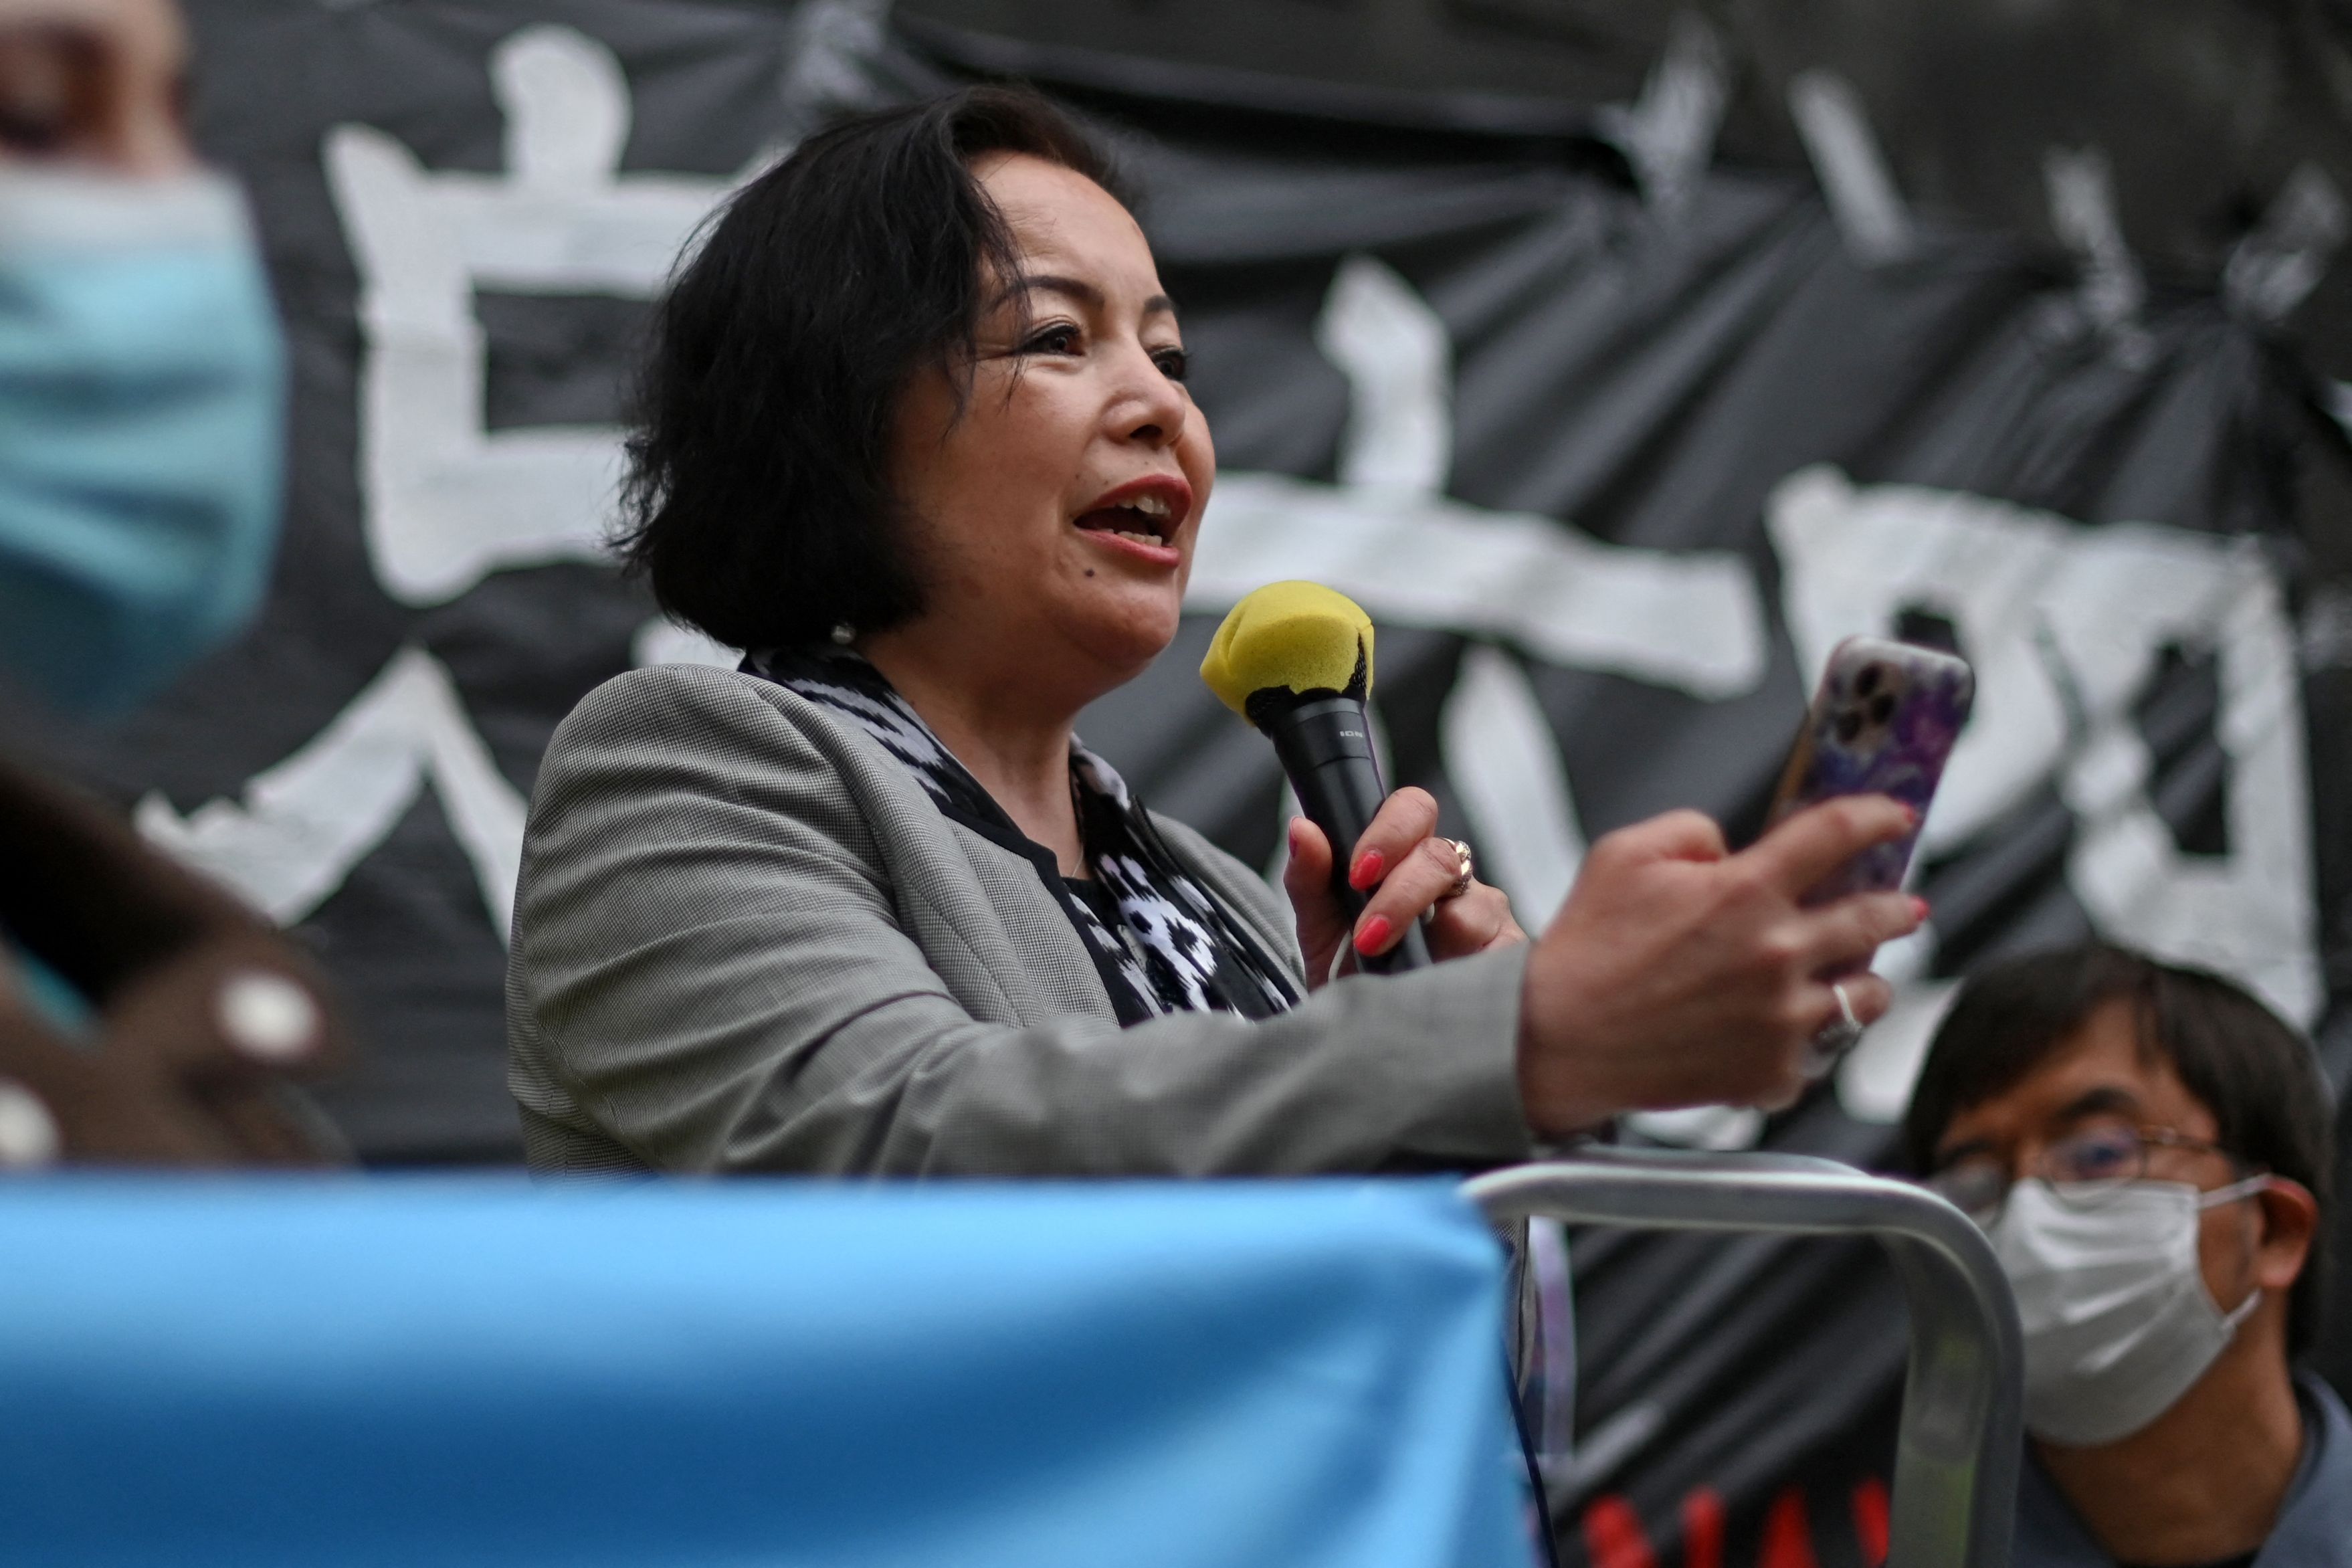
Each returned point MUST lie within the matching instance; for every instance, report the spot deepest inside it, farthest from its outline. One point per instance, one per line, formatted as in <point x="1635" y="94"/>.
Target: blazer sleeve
<point x="713" y="970"/>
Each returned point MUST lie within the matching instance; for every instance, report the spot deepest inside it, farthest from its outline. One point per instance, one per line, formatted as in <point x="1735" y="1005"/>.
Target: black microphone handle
<point x="1326" y="748"/>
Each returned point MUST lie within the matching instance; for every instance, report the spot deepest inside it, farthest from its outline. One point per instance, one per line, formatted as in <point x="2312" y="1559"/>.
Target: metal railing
<point x="1957" y="1455"/>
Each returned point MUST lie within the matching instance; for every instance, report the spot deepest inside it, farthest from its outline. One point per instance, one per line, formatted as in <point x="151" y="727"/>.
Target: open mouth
<point x="1142" y="518"/>
<point x="1139" y="520"/>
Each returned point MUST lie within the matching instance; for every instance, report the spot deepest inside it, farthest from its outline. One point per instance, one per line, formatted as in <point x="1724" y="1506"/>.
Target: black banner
<point x="1612" y="461"/>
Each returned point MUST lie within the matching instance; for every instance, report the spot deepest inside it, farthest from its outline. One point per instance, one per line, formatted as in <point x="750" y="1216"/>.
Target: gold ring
<point x="1465" y="870"/>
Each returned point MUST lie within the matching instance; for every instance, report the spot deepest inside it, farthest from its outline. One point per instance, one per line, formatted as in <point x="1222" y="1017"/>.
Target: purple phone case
<point x="1883" y="723"/>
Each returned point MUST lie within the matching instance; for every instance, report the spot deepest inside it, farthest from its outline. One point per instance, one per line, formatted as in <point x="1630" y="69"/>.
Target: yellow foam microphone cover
<point x="1301" y="636"/>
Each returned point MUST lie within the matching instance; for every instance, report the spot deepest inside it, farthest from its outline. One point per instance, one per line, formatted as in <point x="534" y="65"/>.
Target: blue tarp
<point x="448" y="1372"/>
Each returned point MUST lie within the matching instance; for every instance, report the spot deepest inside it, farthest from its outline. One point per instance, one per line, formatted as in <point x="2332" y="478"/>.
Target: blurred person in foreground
<point x="2148" y="1149"/>
<point x="145" y="1015"/>
<point x="915" y="434"/>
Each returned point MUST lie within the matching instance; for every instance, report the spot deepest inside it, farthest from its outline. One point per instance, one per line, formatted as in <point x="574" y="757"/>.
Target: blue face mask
<point x="141" y="401"/>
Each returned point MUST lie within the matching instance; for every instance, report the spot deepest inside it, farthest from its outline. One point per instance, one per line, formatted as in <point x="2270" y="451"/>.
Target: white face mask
<point x="2118" y="1324"/>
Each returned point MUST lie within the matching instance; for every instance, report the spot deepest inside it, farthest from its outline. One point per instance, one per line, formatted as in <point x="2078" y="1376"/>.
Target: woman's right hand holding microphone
<point x="1680" y="973"/>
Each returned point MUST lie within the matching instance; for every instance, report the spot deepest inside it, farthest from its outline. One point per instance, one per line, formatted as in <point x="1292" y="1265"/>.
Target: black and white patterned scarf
<point x="1160" y="940"/>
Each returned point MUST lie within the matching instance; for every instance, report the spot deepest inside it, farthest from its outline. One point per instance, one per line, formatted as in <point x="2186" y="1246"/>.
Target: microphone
<point x="1296" y="660"/>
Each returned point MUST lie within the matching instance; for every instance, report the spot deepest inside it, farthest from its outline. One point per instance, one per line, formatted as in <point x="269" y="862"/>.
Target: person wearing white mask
<point x="145" y="1015"/>
<point x="2148" y="1148"/>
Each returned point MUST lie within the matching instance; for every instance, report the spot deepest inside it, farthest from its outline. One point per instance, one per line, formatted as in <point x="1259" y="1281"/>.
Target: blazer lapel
<point x="976" y="909"/>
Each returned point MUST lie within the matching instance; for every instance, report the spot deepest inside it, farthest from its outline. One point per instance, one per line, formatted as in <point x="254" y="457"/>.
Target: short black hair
<point x="757" y="501"/>
<point x="2257" y="1074"/>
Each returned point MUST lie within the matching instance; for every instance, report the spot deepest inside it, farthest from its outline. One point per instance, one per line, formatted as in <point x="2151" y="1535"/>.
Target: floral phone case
<point x="1883" y="721"/>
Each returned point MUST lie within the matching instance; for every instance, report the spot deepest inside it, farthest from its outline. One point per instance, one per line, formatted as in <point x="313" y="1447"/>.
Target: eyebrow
<point x="1086" y="294"/>
<point x="2090" y="1102"/>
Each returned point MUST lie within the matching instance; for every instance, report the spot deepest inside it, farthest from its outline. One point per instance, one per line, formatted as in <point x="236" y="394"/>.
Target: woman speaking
<point x="914" y="432"/>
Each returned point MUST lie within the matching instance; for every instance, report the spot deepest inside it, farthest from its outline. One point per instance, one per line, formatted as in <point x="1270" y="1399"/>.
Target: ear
<point x="2290" y="1218"/>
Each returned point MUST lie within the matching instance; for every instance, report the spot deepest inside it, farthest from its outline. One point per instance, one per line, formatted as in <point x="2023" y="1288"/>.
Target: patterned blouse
<point x="1160" y="940"/>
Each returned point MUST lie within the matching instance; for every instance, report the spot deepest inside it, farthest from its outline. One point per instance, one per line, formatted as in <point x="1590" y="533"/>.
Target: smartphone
<point x="1883" y="722"/>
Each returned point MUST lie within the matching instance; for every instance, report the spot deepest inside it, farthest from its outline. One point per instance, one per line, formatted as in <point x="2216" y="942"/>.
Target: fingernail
<point x="1374" y="936"/>
<point x="1290" y="834"/>
<point x="1919" y="909"/>
<point x="1911" y="816"/>
<point x="1366" y="870"/>
<point x="266" y="1016"/>
<point x="28" y="1133"/>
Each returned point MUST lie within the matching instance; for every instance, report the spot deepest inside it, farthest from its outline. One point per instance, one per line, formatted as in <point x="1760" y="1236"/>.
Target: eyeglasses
<point x="2085" y="1168"/>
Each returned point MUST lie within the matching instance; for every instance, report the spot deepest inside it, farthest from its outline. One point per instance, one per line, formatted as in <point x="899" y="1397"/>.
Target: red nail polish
<point x="1919" y="907"/>
<point x="1366" y="872"/>
<point x="1374" y="935"/>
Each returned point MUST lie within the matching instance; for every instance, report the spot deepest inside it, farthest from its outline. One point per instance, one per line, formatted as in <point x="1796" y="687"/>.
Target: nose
<point x="1147" y="406"/>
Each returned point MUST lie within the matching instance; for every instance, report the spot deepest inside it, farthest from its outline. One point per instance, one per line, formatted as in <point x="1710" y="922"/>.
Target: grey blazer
<point x="745" y="939"/>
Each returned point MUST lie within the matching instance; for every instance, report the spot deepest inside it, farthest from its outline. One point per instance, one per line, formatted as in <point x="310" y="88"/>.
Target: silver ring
<point x="1465" y="872"/>
<point x="1834" y="1039"/>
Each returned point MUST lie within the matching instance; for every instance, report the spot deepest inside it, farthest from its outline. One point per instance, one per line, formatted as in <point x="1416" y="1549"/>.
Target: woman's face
<point x="1054" y="519"/>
